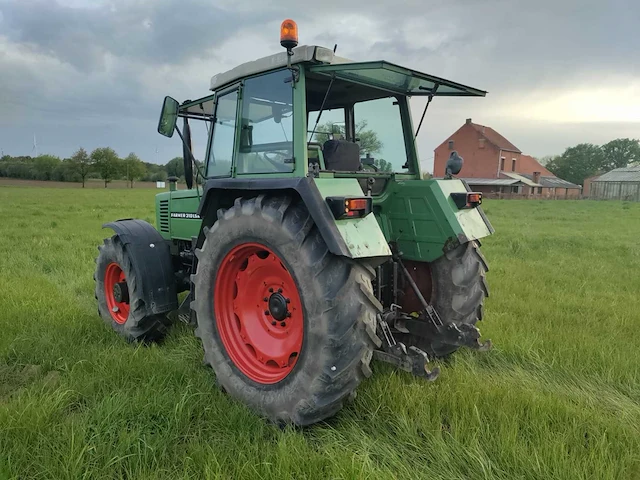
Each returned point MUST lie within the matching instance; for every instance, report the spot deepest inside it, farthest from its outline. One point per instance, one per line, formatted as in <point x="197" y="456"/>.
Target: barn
<point x="619" y="184"/>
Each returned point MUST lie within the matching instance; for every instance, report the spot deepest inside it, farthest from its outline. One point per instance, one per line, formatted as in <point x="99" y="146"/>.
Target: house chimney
<point x="536" y="177"/>
<point x="468" y="121"/>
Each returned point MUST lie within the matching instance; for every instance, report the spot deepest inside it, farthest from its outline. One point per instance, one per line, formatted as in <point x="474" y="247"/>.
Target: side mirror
<point x="168" y="117"/>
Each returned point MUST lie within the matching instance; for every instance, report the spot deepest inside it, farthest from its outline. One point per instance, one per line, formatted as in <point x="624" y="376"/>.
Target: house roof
<point x="624" y="174"/>
<point x="495" y="138"/>
<point x="521" y="178"/>
<point x="500" y="182"/>
<point x="552" y="181"/>
<point x="528" y="164"/>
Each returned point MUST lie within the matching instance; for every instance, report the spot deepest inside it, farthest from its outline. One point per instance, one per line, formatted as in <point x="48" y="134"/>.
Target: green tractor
<point x="310" y="242"/>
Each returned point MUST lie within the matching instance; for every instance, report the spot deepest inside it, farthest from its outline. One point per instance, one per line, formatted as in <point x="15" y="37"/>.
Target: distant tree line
<point x="586" y="160"/>
<point x="102" y="163"/>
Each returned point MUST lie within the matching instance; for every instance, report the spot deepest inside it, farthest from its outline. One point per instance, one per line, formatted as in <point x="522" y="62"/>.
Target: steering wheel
<point x="280" y="161"/>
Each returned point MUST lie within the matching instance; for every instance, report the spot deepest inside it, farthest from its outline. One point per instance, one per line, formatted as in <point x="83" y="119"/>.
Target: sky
<point x="93" y="73"/>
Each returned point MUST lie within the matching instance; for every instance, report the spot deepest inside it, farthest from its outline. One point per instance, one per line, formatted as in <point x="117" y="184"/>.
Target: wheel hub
<point x="278" y="306"/>
<point x="121" y="292"/>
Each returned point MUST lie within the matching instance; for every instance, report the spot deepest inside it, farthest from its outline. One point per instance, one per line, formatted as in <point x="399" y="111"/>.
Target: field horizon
<point x="558" y="397"/>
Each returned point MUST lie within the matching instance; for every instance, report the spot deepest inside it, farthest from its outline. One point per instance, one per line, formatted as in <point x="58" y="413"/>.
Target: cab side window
<point x="224" y="129"/>
<point x="266" y="132"/>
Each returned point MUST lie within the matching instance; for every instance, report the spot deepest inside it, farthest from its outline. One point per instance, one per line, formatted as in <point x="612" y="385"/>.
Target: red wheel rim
<point x="258" y="313"/>
<point x="119" y="310"/>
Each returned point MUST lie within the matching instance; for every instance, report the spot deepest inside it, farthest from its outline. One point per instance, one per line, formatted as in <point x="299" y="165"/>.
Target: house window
<point x="450" y="144"/>
<point x="539" y="190"/>
<point x="533" y="190"/>
<point x="515" y="189"/>
<point x="513" y="164"/>
<point x="501" y="163"/>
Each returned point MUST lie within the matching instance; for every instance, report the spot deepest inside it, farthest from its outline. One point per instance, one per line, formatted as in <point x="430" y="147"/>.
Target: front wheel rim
<point x="119" y="310"/>
<point x="258" y="313"/>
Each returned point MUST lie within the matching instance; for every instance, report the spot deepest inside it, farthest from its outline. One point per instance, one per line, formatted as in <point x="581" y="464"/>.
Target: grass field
<point x="557" y="398"/>
<point x="90" y="183"/>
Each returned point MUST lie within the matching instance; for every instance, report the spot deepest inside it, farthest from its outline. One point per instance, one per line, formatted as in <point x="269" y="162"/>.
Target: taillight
<point x="467" y="199"/>
<point x="349" y="207"/>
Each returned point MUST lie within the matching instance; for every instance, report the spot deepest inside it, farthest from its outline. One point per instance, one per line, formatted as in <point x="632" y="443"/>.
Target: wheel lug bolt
<point x="288" y="314"/>
<point x="283" y="324"/>
<point x="266" y="312"/>
<point x="271" y="290"/>
<point x="279" y="290"/>
<point x="266" y="299"/>
<point x="288" y="300"/>
<point x="273" y="322"/>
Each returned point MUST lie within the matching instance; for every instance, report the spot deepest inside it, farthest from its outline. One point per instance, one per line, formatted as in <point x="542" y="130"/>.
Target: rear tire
<point x="458" y="290"/>
<point x="338" y="311"/>
<point x="129" y="319"/>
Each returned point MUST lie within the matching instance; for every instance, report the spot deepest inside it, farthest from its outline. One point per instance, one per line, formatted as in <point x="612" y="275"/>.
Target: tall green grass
<point x="557" y="398"/>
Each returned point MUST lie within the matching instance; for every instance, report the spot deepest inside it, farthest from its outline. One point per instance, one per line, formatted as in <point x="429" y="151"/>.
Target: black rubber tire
<point x="458" y="290"/>
<point x="139" y="327"/>
<point x="338" y="302"/>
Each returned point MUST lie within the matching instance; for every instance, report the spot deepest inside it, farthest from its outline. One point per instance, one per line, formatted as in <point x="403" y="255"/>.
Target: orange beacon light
<point x="289" y="34"/>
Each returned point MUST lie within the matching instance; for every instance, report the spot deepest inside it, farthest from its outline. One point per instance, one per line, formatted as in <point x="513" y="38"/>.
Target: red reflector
<point x="350" y="207"/>
<point x="467" y="199"/>
<point x="356" y="203"/>
<point x="474" y="198"/>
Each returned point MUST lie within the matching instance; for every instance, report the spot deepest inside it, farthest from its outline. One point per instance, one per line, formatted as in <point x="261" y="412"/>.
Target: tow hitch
<point x="431" y="326"/>
<point x="425" y="324"/>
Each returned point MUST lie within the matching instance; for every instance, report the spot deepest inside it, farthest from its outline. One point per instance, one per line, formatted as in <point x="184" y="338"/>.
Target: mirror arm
<point x="193" y="159"/>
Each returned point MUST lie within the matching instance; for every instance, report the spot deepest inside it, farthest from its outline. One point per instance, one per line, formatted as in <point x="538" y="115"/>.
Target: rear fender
<point x="352" y="238"/>
<point x="151" y="260"/>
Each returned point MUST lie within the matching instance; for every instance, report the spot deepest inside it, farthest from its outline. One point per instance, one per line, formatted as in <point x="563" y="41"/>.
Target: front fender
<point x="151" y="260"/>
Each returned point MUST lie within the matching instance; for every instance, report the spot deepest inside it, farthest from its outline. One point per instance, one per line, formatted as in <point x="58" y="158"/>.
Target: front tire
<point x="298" y="368"/>
<point x="120" y="298"/>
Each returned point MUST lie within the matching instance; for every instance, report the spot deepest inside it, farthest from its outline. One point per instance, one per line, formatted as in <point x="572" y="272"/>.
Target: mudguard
<point x="352" y="238"/>
<point x="151" y="259"/>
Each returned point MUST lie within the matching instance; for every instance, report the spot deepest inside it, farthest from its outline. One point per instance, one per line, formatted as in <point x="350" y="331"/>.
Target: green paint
<point x="421" y="217"/>
<point x="180" y="201"/>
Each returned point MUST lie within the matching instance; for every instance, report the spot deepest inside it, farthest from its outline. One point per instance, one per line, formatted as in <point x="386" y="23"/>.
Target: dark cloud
<point x="155" y="32"/>
<point x="95" y="73"/>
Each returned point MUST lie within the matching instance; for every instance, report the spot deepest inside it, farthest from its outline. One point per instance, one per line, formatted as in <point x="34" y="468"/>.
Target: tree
<point x="45" y="165"/>
<point x="107" y="163"/>
<point x="133" y="168"/>
<point x="620" y="153"/>
<point x="175" y="167"/>
<point x="159" y="176"/>
<point x="367" y="139"/>
<point x="577" y="163"/>
<point x="383" y="165"/>
<point x="544" y="161"/>
<point x="81" y="163"/>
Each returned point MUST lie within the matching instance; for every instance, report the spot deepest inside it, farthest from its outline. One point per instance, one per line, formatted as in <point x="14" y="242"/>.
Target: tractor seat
<point x="341" y="155"/>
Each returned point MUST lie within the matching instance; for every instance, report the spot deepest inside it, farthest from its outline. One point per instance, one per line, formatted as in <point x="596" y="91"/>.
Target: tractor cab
<point x="312" y="112"/>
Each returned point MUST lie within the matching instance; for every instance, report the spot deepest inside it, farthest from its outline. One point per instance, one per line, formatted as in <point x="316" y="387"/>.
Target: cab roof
<point x="379" y="74"/>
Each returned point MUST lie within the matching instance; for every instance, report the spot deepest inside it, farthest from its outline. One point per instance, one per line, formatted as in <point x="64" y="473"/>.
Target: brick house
<point x="494" y="165"/>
